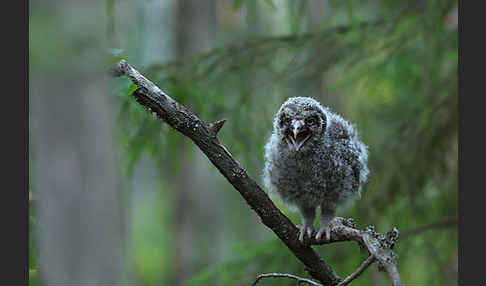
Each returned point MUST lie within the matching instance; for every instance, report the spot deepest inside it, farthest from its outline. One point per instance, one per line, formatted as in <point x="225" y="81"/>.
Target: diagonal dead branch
<point x="300" y="280"/>
<point x="204" y="136"/>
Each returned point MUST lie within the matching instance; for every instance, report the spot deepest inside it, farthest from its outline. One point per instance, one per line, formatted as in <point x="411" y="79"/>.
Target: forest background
<point x="109" y="180"/>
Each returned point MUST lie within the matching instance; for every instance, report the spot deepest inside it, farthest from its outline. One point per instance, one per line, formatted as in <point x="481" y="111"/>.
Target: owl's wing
<point x="351" y="150"/>
<point x="340" y="129"/>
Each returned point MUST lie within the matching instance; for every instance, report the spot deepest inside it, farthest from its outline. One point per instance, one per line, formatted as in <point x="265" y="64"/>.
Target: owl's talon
<point x="324" y="230"/>
<point x="310" y="230"/>
<point x="303" y="230"/>
<point x="301" y="235"/>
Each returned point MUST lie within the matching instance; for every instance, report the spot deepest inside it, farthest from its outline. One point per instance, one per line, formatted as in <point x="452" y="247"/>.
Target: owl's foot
<point x="324" y="229"/>
<point x="303" y="230"/>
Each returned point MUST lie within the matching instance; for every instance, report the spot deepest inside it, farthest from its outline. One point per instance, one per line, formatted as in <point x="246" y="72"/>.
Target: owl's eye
<point x="284" y="120"/>
<point x="310" y="120"/>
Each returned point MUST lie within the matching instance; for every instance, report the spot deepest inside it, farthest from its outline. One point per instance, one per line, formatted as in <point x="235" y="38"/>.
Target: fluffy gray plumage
<point x="314" y="159"/>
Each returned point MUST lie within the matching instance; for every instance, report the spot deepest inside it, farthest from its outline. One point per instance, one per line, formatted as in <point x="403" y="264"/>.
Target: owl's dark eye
<point x="311" y="120"/>
<point x="284" y="120"/>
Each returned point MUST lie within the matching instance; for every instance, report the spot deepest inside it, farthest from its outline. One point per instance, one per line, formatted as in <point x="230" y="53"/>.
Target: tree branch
<point x="358" y="271"/>
<point x="375" y="243"/>
<point x="204" y="136"/>
<point x="184" y="121"/>
<point x="273" y="275"/>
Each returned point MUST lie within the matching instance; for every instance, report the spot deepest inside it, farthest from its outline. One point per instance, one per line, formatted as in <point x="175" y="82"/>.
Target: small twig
<point x="273" y="275"/>
<point x="216" y="126"/>
<point x="358" y="271"/>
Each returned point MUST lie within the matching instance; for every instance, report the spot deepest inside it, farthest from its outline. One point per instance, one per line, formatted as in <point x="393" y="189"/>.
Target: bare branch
<point x="358" y="271"/>
<point x="274" y="275"/>
<point x="385" y="258"/>
<point x="376" y="247"/>
<point x="202" y="135"/>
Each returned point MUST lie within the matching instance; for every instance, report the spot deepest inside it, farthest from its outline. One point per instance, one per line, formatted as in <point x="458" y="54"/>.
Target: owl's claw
<point x="303" y="230"/>
<point x="324" y="229"/>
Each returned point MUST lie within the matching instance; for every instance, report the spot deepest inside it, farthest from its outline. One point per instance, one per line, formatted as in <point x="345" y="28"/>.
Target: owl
<point x="314" y="159"/>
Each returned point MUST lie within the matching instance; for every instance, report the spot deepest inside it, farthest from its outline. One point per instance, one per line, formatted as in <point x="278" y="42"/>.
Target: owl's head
<point x="299" y="120"/>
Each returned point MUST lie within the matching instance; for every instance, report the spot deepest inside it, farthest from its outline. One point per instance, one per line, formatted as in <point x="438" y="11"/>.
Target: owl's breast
<point x="301" y="177"/>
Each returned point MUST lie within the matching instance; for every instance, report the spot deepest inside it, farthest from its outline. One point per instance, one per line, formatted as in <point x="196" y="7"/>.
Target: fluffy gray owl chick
<point x="314" y="159"/>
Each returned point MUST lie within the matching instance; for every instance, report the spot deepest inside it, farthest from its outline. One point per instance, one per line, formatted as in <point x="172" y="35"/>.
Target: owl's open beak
<point x="298" y="138"/>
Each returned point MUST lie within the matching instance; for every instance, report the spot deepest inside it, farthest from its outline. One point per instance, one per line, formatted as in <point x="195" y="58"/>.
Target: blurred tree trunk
<point x="195" y="27"/>
<point x="80" y="203"/>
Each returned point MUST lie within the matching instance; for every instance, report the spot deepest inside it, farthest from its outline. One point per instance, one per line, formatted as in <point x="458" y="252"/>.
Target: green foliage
<point x="114" y="57"/>
<point x="388" y="66"/>
<point x="251" y="258"/>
